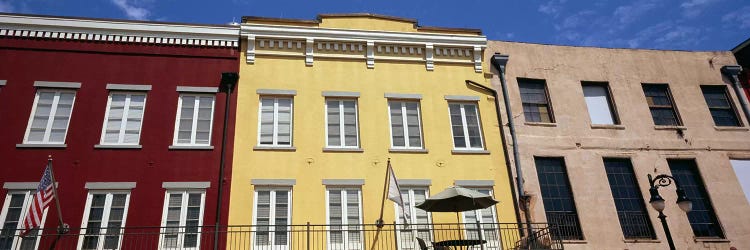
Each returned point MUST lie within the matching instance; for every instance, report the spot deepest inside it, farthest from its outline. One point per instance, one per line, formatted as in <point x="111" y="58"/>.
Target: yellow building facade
<point x="324" y="104"/>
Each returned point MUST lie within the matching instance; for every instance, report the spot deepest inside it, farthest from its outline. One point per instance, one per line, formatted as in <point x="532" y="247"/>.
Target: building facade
<point x="323" y="105"/>
<point x="592" y="123"/>
<point x="131" y="115"/>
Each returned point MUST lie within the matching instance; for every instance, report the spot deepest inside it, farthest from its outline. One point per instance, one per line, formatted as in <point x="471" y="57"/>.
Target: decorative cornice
<point x="52" y="27"/>
<point x="366" y="45"/>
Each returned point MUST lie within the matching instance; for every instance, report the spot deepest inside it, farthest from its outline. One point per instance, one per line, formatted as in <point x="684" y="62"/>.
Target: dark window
<point x="661" y="105"/>
<point x="631" y="209"/>
<point x="702" y="218"/>
<point x="558" y="198"/>
<point x="536" y="106"/>
<point x="721" y="108"/>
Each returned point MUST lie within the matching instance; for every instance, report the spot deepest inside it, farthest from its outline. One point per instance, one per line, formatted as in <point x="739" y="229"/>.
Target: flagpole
<point x="62" y="228"/>
<point x="380" y="222"/>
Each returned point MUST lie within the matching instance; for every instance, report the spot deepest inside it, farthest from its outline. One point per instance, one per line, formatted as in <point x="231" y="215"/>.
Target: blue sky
<point x="654" y="24"/>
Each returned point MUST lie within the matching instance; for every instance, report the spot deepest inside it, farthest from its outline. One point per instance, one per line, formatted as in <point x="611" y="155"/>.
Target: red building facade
<point x="132" y="115"/>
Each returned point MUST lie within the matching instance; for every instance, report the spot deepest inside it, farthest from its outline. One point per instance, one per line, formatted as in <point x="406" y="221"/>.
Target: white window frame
<point x="272" y="219"/>
<point x="342" y="136"/>
<point x="344" y="226"/>
<point x="194" y="127"/>
<point x="465" y="126"/>
<point x="28" y="198"/>
<point x="105" y="216"/>
<point x="413" y="212"/>
<point x="405" y="124"/>
<point x="125" y="111"/>
<point x="478" y="217"/>
<point x="276" y="121"/>
<point x="183" y="216"/>
<point x="50" y="119"/>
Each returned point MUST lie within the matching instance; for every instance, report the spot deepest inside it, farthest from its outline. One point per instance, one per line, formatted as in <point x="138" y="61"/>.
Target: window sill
<point x="470" y="152"/>
<point x="105" y="146"/>
<point x="540" y="124"/>
<point x="190" y="147"/>
<point x="697" y="239"/>
<point x="608" y="126"/>
<point x="353" y="150"/>
<point x="41" y="145"/>
<point x="669" y="127"/>
<point x="728" y="128"/>
<point x="267" y="148"/>
<point x="641" y="241"/>
<point x="575" y="242"/>
<point x="409" y="150"/>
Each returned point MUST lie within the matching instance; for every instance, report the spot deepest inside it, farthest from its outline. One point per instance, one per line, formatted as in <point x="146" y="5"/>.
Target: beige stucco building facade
<point x="567" y="134"/>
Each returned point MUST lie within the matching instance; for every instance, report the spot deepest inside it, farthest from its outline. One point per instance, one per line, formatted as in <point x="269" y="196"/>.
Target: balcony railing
<point x="490" y="236"/>
<point x="566" y="225"/>
<point x="636" y="225"/>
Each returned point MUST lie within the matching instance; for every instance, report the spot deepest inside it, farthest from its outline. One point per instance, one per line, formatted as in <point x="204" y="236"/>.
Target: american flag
<point x="42" y="197"/>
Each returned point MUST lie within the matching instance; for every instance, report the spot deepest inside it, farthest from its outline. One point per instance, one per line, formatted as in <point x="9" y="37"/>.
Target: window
<point x="182" y="219"/>
<point x="465" y="126"/>
<point x="631" y="210"/>
<point x="123" y="118"/>
<point x="536" y="107"/>
<point x="742" y="170"/>
<point x="557" y="196"/>
<point x="719" y="104"/>
<point x="13" y="212"/>
<point x="194" y="120"/>
<point x="599" y="103"/>
<point x="419" y="223"/>
<point x="344" y="218"/>
<point x="341" y="124"/>
<point x="661" y="104"/>
<point x="50" y="116"/>
<point x="103" y="220"/>
<point x="702" y="218"/>
<point x="272" y="218"/>
<point x="275" y="122"/>
<point x="487" y="220"/>
<point x="406" y="130"/>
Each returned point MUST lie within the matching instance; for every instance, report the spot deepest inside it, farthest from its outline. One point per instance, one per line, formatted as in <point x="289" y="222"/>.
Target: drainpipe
<point x="499" y="61"/>
<point x="502" y="138"/>
<point x="732" y="71"/>
<point x="228" y="81"/>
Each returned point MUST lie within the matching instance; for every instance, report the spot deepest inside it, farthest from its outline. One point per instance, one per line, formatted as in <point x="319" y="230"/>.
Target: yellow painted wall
<point x="309" y="205"/>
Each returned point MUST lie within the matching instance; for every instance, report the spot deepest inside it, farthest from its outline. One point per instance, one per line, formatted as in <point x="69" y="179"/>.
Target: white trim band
<point x="61" y="85"/>
<point x="186" y="185"/>
<point x="110" y="185"/>
<point x="197" y="89"/>
<point x="135" y="87"/>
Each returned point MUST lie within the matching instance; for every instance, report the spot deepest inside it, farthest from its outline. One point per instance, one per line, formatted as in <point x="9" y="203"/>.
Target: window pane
<point x="662" y="110"/>
<point x="598" y="103"/>
<point x="631" y="209"/>
<point x="558" y="197"/>
<point x="534" y="100"/>
<point x="702" y="218"/>
<point x="718" y="103"/>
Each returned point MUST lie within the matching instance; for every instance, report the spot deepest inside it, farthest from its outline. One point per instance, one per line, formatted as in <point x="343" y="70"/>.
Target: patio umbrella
<point x="457" y="199"/>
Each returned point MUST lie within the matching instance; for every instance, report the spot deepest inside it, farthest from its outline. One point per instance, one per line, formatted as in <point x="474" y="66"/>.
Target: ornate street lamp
<point x="657" y="202"/>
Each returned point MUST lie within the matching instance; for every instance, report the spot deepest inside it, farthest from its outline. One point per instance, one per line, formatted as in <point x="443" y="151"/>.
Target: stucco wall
<point x="648" y="147"/>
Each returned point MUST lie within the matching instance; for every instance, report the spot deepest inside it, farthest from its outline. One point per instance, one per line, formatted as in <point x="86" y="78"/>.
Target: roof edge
<point x="741" y="46"/>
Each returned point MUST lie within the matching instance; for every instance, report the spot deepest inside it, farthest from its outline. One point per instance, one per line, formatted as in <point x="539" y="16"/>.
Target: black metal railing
<point x="565" y="225"/>
<point x="489" y="236"/>
<point x="636" y="225"/>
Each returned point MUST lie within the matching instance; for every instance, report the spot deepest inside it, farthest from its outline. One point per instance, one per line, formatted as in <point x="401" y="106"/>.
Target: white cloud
<point x="576" y="20"/>
<point x="693" y="8"/>
<point x="510" y="35"/>
<point x="5" y="6"/>
<point x="131" y="10"/>
<point x="740" y="17"/>
<point x="552" y="7"/>
<point x="627" y="14"/>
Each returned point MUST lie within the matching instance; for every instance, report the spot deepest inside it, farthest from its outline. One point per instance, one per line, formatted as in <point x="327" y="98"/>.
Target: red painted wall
<point x="94" y="64"/>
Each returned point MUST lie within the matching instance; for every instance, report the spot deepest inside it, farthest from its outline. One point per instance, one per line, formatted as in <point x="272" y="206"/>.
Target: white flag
<point x="394" y="194"/>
